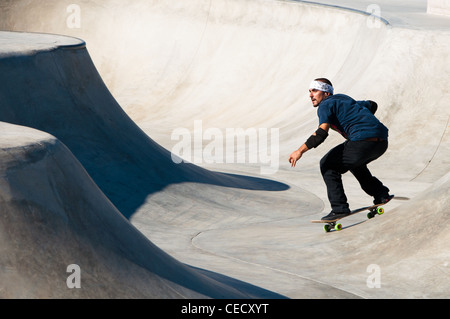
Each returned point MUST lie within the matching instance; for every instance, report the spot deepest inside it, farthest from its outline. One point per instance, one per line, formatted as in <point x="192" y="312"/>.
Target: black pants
<point x="352" y="156"/>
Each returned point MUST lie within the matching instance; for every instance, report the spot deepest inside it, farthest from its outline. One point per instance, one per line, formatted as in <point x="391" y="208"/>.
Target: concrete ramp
<point x="54" y="217"/>
<point x="201" y="68"/>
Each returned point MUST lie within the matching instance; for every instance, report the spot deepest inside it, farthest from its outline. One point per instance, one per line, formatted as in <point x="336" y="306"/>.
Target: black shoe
<point x="383" y="200"/>
<point x="335" y="215"/>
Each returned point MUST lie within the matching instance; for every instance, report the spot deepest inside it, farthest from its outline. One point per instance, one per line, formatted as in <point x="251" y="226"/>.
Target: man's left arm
<point x="318" y="137"/>
<point x="313" y="141"/>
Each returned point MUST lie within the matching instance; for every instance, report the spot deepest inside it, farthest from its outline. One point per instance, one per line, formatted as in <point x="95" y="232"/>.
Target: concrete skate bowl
<point x="78" y="159"/>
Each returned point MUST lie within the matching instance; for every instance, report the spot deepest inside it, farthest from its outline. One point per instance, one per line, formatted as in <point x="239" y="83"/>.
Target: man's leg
<point x="370" y="184"/>
<point x="358" y="155"/>
<point x="351" y="156"/>
<point x="331" y="167"/>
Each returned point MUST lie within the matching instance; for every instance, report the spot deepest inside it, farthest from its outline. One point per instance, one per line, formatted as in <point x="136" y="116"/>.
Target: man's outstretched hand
<point x="294" y="157"/>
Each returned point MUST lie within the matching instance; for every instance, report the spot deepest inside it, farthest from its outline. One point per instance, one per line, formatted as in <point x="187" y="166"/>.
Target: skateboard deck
<point x="373" y="211"/>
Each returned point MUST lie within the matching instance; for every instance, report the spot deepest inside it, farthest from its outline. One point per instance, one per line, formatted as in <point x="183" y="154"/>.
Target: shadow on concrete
<point x="67" y="98"/>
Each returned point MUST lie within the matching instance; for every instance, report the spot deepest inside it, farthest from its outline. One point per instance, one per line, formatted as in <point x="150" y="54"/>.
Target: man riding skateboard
<point x="366" y="140"/>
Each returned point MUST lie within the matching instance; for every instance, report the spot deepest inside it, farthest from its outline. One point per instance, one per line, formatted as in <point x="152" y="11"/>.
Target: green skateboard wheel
<point x="338" y="227"/>
<point x="380" y="210"/>
<point x="326" y="228"/>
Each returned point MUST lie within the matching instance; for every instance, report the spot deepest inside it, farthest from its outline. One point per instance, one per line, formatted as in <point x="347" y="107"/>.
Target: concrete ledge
<point x="441" y="7"/>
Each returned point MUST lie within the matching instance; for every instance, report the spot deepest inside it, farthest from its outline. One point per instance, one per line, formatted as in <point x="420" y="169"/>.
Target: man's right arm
<point x="371" y="105"/>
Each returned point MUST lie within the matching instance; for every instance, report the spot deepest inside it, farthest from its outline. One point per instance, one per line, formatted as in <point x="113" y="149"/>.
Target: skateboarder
<point x="366" y="140"/>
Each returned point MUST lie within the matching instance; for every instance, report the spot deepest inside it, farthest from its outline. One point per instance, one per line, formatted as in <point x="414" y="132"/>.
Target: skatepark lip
<point x="399" y="13"/>
<point x="88" y="121"/>
<point x="14" y="43"/>
<point x="347" y="8"/>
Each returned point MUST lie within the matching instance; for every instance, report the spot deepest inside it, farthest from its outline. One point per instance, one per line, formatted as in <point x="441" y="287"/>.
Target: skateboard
<point x="373" y="211"/>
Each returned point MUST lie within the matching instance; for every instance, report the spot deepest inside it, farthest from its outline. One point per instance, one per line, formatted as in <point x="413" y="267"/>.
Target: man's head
<point x="319" y="90"/>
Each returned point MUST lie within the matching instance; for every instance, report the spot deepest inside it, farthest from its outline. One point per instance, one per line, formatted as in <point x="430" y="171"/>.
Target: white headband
<point x="321" y="86"/>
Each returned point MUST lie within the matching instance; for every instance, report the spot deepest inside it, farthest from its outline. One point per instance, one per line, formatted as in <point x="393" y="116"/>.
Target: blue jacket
<point x="351" y="118"/>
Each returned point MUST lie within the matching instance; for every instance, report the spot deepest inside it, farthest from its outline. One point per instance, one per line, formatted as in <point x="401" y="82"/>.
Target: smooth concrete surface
<point x="411" y="14"/>
<point x="441" y="7"/>
<point x="54" y="216"/>
<point x="88" y="177"/>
